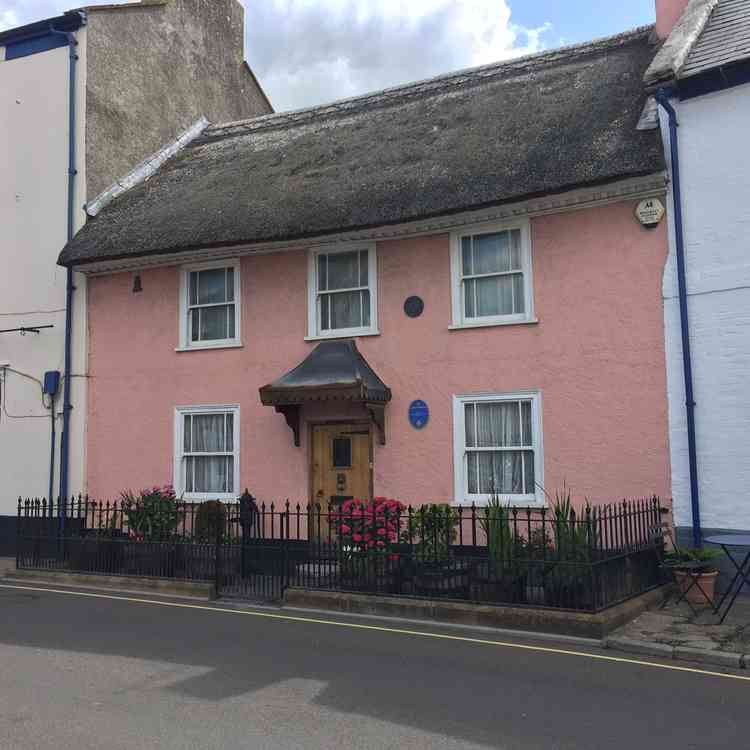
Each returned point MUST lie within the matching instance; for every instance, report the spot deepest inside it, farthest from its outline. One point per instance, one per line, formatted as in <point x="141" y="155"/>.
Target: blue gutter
<point x="70" y="288"/>
<point x="662" y="97"/>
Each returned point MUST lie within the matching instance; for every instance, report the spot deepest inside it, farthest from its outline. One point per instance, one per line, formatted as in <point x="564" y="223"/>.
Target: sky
<point x="307" y="52"/>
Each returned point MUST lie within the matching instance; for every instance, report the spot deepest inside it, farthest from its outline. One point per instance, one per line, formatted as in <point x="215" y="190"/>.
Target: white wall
<point x="715" y="173"/>
<point x="33" y="217"/>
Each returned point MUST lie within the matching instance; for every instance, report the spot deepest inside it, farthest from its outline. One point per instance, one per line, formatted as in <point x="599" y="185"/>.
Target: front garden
<point x="544" y="557"/>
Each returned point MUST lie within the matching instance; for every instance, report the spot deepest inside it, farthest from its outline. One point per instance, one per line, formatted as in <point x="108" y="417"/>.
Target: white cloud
<point x="8" y="19"/>
<point x="310" y="51"/>
<point x="328" y="49"/>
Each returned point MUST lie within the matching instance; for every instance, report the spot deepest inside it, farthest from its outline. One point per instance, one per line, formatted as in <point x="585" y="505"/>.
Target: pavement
<point x="83" y="670"/>
<point x="679" y="633"/>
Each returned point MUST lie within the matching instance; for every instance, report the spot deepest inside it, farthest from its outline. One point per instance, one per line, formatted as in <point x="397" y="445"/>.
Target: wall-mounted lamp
<point x="137" y="287"/>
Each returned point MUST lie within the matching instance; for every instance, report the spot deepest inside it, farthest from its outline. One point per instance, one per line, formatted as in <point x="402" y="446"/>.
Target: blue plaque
<point x="419" y="414"/>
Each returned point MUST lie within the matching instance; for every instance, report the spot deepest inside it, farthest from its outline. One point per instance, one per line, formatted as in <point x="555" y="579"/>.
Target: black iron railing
<point x="555" y="558"/>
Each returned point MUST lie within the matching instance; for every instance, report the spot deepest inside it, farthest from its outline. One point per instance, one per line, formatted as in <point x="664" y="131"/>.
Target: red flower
<point x="381" y="544"/>
<point x="393" y="558"/>
<point x="345" y="529"/>
<point x="381" y="532"/>
<point x="357" y="537"/>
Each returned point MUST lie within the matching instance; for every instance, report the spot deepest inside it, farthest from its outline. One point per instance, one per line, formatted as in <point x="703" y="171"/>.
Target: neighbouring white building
<point x="703" y="74"/>
<point x="83" y="97"/>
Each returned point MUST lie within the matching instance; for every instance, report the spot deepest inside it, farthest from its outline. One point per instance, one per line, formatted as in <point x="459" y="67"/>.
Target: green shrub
<point x="152" y="514"/>
<point x="210" y="521"/>
<point x="434" y="526"/>
<point x="500" y="542"/>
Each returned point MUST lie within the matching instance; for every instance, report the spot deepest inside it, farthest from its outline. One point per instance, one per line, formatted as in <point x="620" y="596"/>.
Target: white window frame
<point x="460" y="473"/>
<point x="313" y="323"/>
<point x="179" y="424"/>
<point x="185" y="343"/>
<point x="457" y="295"/>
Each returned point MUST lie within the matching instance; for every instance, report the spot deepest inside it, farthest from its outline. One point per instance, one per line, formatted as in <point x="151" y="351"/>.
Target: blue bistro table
<point x="742" y="576"/>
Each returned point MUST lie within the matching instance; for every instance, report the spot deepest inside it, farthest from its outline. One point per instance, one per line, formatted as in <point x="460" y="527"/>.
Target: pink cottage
<point x="434" y="293"/>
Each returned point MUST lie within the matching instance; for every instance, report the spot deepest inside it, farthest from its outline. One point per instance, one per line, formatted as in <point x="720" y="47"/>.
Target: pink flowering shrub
<point x="151" y="514"/>
<point x="370" y="527"/>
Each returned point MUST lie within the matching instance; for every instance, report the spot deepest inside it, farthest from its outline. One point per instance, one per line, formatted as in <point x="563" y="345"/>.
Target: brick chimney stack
<point x="668" y="13"/>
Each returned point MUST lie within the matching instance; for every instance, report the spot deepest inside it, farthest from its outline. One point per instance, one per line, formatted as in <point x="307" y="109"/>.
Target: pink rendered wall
<point x="668" y="12"/>
<point x="597" y="355"/>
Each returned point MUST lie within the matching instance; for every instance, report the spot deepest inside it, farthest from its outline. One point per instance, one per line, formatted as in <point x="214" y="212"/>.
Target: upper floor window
<point x="343" y="292"/>
<point x="491" y="275"/>
<point x="210" y="305"/>
<point x="498" y="448"/>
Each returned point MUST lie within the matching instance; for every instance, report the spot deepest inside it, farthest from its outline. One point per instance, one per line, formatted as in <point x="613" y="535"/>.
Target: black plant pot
<point x="499" y="586"/>
<point x="567" y="594"/>
<point x="437" y="579"/>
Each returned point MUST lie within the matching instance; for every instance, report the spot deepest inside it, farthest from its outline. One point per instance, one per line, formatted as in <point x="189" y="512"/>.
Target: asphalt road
<point x="82" y="672"/>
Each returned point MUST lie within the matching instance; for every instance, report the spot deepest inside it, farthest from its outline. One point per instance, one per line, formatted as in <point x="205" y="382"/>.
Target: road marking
<point x="383" y="629"/>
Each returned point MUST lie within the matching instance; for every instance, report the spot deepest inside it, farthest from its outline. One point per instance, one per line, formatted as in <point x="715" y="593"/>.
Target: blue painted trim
<point x="71" y="21"/>
<point x="662" y="96"/>
<point x="33" y="46"/>
<point x="718" y="79"/>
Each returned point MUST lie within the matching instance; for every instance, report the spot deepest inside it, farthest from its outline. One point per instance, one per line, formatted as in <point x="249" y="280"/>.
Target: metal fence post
<point x="217" y="560"/>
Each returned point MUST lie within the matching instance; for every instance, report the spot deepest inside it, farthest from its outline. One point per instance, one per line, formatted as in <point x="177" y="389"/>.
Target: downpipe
<point x="69" y="287"/>
<point x="662" y="97"/>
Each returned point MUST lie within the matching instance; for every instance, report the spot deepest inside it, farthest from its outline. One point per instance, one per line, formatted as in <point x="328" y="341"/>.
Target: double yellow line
<point x="381" y="629"/>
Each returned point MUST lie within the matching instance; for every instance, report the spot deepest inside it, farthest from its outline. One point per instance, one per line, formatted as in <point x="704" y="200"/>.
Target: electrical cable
<point x="4" y="382"/>
<point x="31" y="312"/>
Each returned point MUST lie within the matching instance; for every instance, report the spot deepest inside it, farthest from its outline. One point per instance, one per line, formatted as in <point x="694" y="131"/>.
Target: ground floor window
<point x="207" y="452"/>
<point x="497" y="448"/>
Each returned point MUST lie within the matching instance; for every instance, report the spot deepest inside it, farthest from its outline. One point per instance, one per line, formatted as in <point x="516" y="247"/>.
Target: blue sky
<point x="579" y="20"/>
<point x="306" y="52"/>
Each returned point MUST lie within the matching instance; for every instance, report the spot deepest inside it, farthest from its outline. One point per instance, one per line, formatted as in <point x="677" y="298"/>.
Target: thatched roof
<point x="482" y="137"/>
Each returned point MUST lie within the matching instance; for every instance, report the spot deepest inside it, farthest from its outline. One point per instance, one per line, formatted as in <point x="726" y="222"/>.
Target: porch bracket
<point x="377" y="414"/>
<point x="291" y="414"/>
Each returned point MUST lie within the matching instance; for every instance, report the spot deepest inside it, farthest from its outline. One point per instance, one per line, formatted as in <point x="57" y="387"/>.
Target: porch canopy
<point x="334" y="371"/>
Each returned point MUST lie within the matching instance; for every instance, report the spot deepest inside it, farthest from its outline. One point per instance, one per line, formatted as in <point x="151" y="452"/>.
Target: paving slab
<point x="634" y="646"/>
<point x="697" y="637"/>
<point x="713" y="657"/>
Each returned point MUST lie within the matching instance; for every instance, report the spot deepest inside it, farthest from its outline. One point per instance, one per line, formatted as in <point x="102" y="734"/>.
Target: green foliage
<point x="434" y="526"/>
<point x="210" y="521"/>
<point x="572" y="542"/>
<point x="691" y="555"/>
<point x="500" y="542"/>
<point x="151" y="514"/>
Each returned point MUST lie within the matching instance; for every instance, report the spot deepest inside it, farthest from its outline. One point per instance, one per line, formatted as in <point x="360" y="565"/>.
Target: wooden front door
<point x="341" y="463"/>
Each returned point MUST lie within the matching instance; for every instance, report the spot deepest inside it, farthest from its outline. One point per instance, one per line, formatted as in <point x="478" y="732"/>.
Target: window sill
<point x="494" y="323"/>
<point x="203" y="496"/>
<point x="344" y="335"/>
<point x="520" y="504"/>
<point x="204" y="347"/>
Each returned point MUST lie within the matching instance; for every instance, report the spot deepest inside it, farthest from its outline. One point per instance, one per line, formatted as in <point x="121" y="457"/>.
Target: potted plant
<point x="536" y="554"/>
<point x="152" y="518"/>
<point x="689" y="565"/>
<point x="566" y="582"/>
<point x="436" y="570"/>
<point x="500" y="578"/>
<point x="368" y="534"/>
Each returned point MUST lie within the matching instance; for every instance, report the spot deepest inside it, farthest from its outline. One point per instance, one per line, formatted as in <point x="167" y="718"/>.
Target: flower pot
<point x="706" y="581"/>
<point x="498" y="586"/>
<point x="438" y="579"/>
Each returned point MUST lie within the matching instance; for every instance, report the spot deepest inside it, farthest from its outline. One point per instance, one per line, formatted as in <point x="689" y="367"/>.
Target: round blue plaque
<point x="419" y="414"/>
